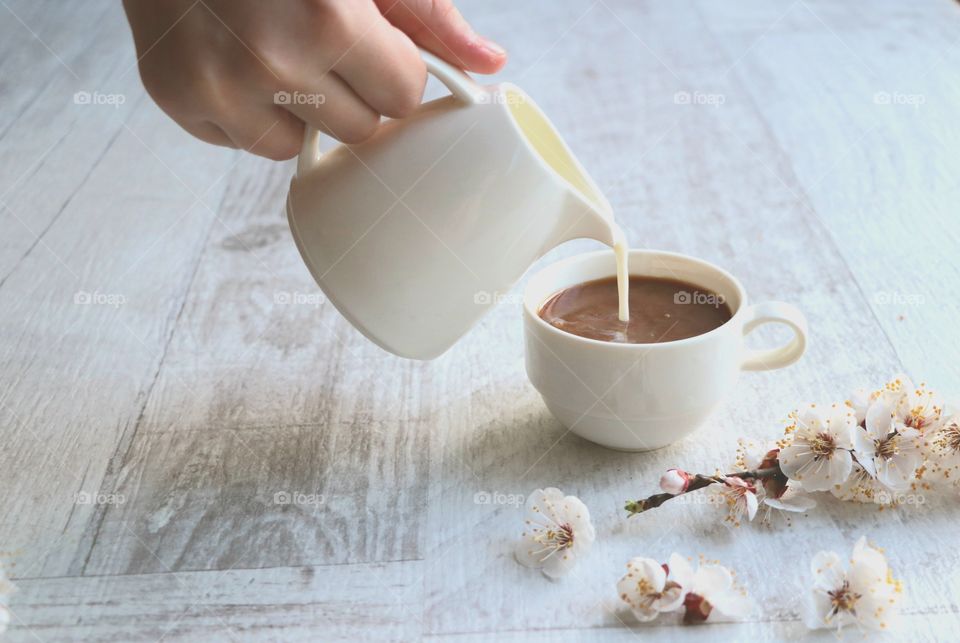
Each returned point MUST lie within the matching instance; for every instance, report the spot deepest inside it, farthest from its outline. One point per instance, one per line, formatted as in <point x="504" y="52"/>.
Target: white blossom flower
<point x="887" y="450"/>
<point x="819" y="454"/>
<point x="915" y="406"/>
<point x="945" y="450"/>
<point x="865" y="595"/>
<point x="647" y="589"/>
<point x="558" y="532"/>
<point x="710" y="589"/>
<point x="674" y="481"/>
<point x="741" y="498"/>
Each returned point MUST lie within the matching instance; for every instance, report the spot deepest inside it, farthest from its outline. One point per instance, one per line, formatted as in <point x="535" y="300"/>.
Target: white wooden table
<point x="168" y="368"/>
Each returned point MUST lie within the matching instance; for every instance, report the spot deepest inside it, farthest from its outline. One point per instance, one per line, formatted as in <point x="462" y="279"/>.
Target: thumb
<point x="437" y="26"/>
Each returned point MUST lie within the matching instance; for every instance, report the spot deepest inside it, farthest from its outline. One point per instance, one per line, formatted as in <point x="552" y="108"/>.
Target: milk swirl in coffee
<point x="660" y="310"/>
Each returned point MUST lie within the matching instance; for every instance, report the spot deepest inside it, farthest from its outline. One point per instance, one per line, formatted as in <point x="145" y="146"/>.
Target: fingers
<point x="265" y="131"/>
<point x="384" y="68"/>
<point x="335" y="109"/>
<point x="208" y="132"/>
<point x="262" y="130"/>
<point x="436" y="25"/>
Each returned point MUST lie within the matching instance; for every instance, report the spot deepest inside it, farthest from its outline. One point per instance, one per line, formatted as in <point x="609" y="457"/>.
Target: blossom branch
<point x="701" y="481"/>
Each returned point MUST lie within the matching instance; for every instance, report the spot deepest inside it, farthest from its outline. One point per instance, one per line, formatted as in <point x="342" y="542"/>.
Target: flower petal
<point x="841" y="464"/>
<point x="559" y="564"/>
<point x="792" y="458"/>
<point x="860" y="402"/>
<point x="526" y="553"/>
<point x="868" y="566"/>
<point x="827" y="570"/>
<point x="879" y="419"/>
<point x="841" y="422"/>
<point x="750" y="499"/>
<point x="733" y="604"/>
<point x="681" y="572"/>
<point x="649" y="569"/>
<point x="865" y="449"/>
<point x="794" y="501"/>
<point x="711" y="580"/>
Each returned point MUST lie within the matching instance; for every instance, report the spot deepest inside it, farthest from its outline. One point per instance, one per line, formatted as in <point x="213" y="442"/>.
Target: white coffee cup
<point x="638" y="397"/>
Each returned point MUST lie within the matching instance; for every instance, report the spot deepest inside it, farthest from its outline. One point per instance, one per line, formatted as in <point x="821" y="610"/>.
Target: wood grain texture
<point x="880" y="175"/>
<point x="264" y="473"/>
<point x="84" y="322"/>
<point x="265" y="391"/>
<point x="289" y="603"/>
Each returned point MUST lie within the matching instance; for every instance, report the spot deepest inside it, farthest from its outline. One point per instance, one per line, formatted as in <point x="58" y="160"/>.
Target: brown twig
<point x="700" y="481"/>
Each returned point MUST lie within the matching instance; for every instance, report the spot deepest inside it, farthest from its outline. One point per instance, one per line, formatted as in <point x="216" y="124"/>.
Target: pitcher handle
<point x="457" y="81"/>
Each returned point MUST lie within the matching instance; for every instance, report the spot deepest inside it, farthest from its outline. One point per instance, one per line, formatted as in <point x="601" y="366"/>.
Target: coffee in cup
<point x="662" y="309"/>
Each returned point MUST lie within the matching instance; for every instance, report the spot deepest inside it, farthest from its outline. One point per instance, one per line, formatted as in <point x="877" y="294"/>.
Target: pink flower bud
<point x="675" y="481"/>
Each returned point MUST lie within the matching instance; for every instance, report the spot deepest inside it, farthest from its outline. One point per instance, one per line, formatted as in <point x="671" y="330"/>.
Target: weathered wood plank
<point x="53" y="141"/>
<point x="881" y="174"/>
<point x="921" y="626"/>
<point x="38" y="46"/>
<point x="86" y="320"/>
<point x="265" y="390"/>
<point x="337" y="603"/>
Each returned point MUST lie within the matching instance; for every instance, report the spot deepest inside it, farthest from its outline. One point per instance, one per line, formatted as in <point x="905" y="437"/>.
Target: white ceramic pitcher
<point x="415" y="232"/>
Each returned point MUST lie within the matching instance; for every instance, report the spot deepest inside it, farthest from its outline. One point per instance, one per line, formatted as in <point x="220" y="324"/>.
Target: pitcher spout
<point x="592" y="222"/>
<point x="585" y="212"/>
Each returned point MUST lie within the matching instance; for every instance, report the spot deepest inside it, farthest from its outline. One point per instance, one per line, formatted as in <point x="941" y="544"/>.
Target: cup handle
<point x="456" y="80"/>
<point x="775" y="312"/>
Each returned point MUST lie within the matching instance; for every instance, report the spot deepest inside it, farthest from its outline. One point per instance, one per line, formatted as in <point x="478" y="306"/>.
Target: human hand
<point x="249" y="73"/>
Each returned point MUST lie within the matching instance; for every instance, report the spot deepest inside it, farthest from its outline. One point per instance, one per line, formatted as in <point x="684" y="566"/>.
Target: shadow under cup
<point x="639" y="397"/>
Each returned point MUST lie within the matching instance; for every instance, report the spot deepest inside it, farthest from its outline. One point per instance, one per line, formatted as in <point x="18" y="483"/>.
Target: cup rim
<point x="531" y="310"/>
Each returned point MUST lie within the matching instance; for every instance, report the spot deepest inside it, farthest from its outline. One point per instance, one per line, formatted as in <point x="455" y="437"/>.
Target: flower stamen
<point x="822" y="445"/>
<point x="843" y="599"/>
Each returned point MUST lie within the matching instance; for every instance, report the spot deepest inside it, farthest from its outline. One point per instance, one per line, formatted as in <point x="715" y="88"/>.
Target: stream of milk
<point x="622" y="252"/>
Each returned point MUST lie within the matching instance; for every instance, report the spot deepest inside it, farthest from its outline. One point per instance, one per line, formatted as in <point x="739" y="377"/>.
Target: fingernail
<point x="492" y="47"/>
